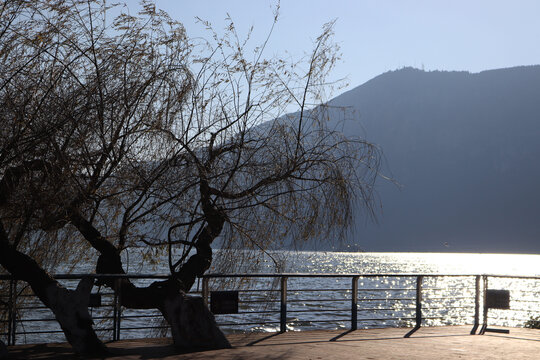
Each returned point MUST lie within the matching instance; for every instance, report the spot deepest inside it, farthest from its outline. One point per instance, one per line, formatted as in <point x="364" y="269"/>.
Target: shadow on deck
<point x="427" y="343"/>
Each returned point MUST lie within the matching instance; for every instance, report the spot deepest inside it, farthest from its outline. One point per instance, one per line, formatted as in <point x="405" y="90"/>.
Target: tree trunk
<point x="70" y="307"/>
<point x="3" y="351"/>
<point x="191" y="322"/>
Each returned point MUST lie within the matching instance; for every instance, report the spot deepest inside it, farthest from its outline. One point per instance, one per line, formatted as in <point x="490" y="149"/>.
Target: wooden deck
<point x="440" y="343"/>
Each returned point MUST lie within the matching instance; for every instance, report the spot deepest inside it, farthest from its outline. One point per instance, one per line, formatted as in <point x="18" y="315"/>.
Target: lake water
<point x="390" y="300"/>
<point x="325" y="303"/>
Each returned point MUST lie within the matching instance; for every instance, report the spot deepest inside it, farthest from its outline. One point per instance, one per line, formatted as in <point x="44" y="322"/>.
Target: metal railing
<point x="23" y="315"/>
<point x="278" y="302"/>
<point x="381" y="300"/>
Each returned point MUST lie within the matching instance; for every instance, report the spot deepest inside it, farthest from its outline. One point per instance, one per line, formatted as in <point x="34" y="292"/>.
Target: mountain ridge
<point x="464" y="146"/>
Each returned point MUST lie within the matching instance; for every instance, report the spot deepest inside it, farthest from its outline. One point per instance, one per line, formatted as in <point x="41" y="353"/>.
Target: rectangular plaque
<point x="224" y="302"/>
<point x="95" y="300"/>
<point x="498" y="299"/>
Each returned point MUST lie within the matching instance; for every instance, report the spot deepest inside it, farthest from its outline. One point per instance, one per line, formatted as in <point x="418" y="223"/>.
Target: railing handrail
<point x="348" y="275"/>
<point x="287" y="274"/>
<point x="76" y="276"/>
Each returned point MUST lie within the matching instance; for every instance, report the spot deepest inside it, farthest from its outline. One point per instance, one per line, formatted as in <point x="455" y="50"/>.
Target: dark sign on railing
<point x="224" y="302"/>
<point x="498" y="299"/>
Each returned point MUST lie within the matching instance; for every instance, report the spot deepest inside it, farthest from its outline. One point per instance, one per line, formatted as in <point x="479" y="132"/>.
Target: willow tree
<point x="129" y="134"/>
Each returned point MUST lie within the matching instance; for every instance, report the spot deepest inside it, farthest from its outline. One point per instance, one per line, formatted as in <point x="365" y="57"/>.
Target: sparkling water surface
<point x="390" y="300"/>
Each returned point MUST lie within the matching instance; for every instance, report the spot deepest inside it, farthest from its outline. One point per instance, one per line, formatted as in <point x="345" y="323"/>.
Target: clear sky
<point x="380" y="35"/>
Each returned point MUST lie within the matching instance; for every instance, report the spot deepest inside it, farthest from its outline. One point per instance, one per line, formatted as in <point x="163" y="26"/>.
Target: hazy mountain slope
<point x="465" y="147"/>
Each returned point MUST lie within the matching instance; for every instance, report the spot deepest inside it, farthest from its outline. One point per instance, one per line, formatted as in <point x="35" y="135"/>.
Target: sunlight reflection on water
<point x="390" y="301"/>
<point x="401" y="263"/>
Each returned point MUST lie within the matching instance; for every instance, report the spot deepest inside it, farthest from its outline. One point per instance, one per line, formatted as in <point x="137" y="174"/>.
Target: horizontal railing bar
<point x="251" y="312"/>
<point x="318" y="311"/>
<point x="32" y="308"/>
<point x="318" y="321"/>
<point x="318" y="290"/>
<point x="359" y="290"/>
<point x="46" y="308"/>
<point x="39" y="332"/>
<point x="318" y="300"/>
<point x="512" y="276"/>
<point x="385" y="289"/>
<point x="55" y="331"/>
<point x="441" y="317"/>
<point x="337" y="275"/>
<point x="449" y="307"/>
<point x="386" y="299"/>
<point x="36" y="320"/>
<point x="41" y="308"/>
<point x="288" y="311"/>
<point x="103" y="317"/>
<point x="139" y="316"/>
<point x="290" y="275"/>
<point x="385" y="319"/>
<point x="388" y="309"/>
<point x="33" y="295"/>
<point x="145" y="327"/>
<point x="248" y="323"/>
<point x="96" y="276"/>
<point x="298" y="275"/>
<point x="363" y="299"/>
<point x="438" y="317"/>
<point x="446" y="289"/>
<point x="361" y="275"/>
<point x="452" y="298"/>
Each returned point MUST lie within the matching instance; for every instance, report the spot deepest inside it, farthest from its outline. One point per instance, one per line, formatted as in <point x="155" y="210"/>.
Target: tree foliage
<point x="124" y="133"/>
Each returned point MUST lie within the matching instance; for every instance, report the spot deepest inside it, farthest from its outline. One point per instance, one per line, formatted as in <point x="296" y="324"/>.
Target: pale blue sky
<point x="381" y="35"/>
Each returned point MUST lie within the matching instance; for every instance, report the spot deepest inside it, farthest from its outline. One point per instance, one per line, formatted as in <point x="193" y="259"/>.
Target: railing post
<point x="418" y="306"/>
<point x="205" y="290"/>
<point x="283" y="310"/>
<point x="476" y="306"/>
<point x="354" y="303"/>
<point x="117" y="314"/>
<point x="12" y="323"/>
<point x="485" y="308"/>
<point x="419" y="301"/>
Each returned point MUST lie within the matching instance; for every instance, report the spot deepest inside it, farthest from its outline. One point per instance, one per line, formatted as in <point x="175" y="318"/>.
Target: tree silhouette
<point x="129" y="134"/>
